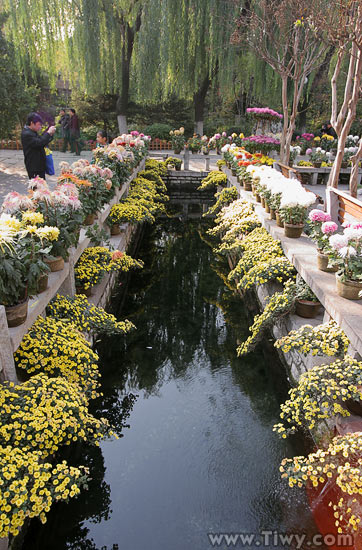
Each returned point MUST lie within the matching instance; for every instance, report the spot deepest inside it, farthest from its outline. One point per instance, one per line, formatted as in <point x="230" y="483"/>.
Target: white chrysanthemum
<point x="347" y="251"/>
<point x="338" y="241"/>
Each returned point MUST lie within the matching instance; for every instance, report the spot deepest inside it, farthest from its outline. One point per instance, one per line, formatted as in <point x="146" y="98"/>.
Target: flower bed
<point x="55" y="352"/>
<point x="325" y="390"/>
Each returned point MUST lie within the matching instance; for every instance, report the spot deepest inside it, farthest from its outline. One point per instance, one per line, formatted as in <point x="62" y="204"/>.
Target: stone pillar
<point x="187" y="160"/>
<point x="8" y="371"/>
<point x="207" y="164"/>
<point x="68" y="286"/>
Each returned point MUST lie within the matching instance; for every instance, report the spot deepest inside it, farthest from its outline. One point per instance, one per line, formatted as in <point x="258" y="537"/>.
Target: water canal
<point x="199" y="455"/>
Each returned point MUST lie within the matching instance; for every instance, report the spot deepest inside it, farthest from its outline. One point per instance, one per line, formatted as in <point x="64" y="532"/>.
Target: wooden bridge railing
<point x="342" y="207"/>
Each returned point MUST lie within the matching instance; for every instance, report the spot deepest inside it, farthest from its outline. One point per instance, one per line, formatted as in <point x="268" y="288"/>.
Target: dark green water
<point x="200" y="456"/>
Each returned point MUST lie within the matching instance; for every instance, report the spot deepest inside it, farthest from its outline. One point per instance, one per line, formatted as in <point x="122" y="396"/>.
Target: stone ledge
<point x="303" y="254"/>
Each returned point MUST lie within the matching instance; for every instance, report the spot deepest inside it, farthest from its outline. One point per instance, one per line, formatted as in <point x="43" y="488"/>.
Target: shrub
<point x="159" y="130"/>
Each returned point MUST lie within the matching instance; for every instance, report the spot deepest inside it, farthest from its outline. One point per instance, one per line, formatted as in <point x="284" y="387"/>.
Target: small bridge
<point x="184" y="196"/>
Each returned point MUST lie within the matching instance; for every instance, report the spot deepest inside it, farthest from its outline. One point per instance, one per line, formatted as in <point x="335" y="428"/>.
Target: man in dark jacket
<point x="64" y="122"/>
<point x="33" y="145"/>
<point x="74" y="132"/>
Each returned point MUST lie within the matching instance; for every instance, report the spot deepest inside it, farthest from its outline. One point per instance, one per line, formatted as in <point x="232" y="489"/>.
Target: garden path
<point x="13" y="176"/>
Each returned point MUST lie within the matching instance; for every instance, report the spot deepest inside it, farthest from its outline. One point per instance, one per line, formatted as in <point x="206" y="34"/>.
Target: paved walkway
<point x="13" y="176"/>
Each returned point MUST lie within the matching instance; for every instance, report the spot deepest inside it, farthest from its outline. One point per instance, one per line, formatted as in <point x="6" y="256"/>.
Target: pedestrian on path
<point x="33" y="145"/>
<point x="74" y="132"/>
<point x="64" y="123"/>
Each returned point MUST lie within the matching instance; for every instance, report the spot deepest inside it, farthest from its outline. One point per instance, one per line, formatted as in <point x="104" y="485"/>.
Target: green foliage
<point x="158" y="130"/>
<point x="17" y="99"/>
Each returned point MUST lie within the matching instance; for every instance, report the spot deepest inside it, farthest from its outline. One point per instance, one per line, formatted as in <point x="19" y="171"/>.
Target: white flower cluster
<point x="291" y="190"/>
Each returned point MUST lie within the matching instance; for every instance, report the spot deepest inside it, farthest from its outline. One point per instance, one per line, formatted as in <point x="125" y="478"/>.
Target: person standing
<point x="74" y="132"/>
<point x="64" y="122"/>
<point x="33" y="145"/>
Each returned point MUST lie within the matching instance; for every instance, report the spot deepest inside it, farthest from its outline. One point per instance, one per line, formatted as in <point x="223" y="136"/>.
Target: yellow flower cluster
<point x="340" y="461"/>
<point x="32" y="218"/>
<point x="146" y="195"/>
<point x="213" y="179"/>
<point x="280" y="303"/>
<point x="257" y="247"/>
<point x="29" y="486"/>
<point x="157" y="166"/>
<point x="96" y="261"/>
<point x="231" y="216"/>
<point x="46" y="413"/>
<point x="319" y="393"/>
<point x="276" y="269"/>
<point x="87" y="317"/>
<point x="58" y="348"/>
<point x="129" y="212"/>
<point x="325" y="339"/>
<point x="223" y="198"/>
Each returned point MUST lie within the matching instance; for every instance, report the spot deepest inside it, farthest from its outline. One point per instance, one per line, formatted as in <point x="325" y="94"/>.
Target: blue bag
<point x="49" y="165"/>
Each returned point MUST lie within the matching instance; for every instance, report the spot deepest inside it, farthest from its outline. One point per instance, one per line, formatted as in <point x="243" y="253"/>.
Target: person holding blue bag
<point x="49" y="162"/>
<point x="34" y="146"/>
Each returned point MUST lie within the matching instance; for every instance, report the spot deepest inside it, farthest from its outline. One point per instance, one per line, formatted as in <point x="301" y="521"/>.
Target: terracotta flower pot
<point x="307" y="308"/>
<point x="233" y="171"/>
<point x="279" y="220"/>
<point x="293" y="231"/>
<point x="115" y="229"/>
<point x="89" y="219"/>
<point x="263" y="202"/>
<point x="317" y="164"/>
<point x="267" y="208"/>
<point x="177" y="151"/>
<point x="322" y="262"/>
<point x="42" y="283"/>
<point x="258" y="197"/>
<point x="247" y="186"/>
<point x="16" y="315"/>
<point x="81" y="290"/>
<point x="178" y="168"/>
<point x="348" y="289"/>
<point x="344" y="164"/>
<point x="57" y="264"/>
<point x="272" y="214"/>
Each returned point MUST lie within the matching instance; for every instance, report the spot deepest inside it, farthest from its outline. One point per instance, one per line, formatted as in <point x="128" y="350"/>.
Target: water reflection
<point x="200" y="455"/>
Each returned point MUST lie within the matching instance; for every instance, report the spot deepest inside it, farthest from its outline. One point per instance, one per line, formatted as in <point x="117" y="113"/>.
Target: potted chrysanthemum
<point x="321" y="229"/>
<point x="306" y="302"/>
<point x="293" y="210"/>
<point x="347" y="256"/>
<point x="23" y="246"/>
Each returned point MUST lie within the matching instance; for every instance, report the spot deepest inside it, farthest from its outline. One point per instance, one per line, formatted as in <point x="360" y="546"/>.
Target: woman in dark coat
<point x="74" y="132"/>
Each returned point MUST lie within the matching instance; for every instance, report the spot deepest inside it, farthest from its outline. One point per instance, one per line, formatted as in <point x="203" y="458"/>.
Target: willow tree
<point x="89" y="41"/>
<point x="283" y="33"/>
<point x="182" y="48"/>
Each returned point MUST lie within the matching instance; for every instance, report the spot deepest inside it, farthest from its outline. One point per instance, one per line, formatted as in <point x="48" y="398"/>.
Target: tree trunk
<point x="285" y="116"/>
<point x="199" y="105"/>
<point x="128" y="34"/>
<point x="353" y="180"/>
<point x="351" y="115"/>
